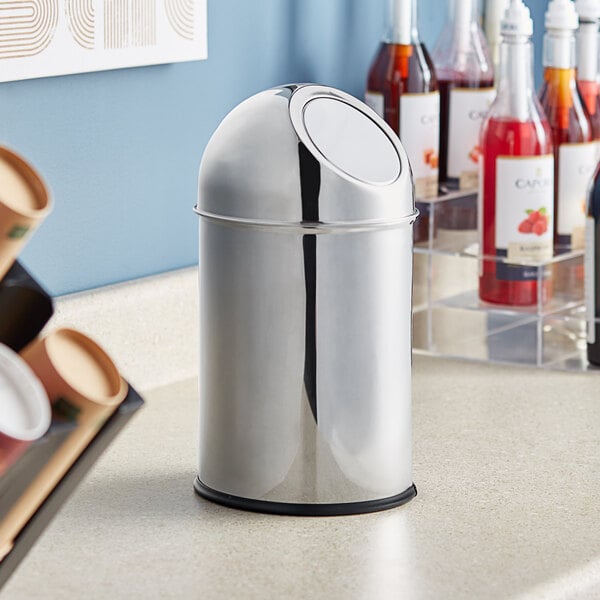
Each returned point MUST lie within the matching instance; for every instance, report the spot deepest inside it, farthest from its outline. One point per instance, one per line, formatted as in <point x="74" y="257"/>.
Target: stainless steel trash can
<point x="306" y="210"/>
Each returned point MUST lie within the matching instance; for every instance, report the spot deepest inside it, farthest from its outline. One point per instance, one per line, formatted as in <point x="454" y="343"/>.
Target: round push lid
<point x="306" y="156"/>
<point x="338" y="129"/>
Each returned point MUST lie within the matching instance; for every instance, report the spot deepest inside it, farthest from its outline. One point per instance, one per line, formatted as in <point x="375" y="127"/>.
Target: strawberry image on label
<point x="536" y="222"/>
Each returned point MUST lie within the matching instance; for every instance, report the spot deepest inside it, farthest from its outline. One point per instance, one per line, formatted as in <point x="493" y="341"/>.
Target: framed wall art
<point x="40" y="38"/>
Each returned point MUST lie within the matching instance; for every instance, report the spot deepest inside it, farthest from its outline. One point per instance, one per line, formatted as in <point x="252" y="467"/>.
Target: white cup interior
<point x="24" y="406"/>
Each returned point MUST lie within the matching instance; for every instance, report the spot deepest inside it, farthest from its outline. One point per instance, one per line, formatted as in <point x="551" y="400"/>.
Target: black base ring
<point x="304" y="510"/>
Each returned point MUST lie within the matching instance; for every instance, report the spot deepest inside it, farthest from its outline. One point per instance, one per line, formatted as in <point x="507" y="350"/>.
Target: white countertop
<point x="506" y="462"/>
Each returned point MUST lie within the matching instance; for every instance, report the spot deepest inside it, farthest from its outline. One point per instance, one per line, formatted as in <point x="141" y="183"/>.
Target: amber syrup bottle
<point x="517" y="171"/>
<point x="592" y="269"/>
<point x="402" y="89"/>
<point x="466" y="79"/>
<point x="574" y="153"/>
<point x="587" y="62"/>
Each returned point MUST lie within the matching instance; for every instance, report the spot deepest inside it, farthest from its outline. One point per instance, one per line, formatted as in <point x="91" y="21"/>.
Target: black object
<point x="593" y="260"/>
<point x="25" y="307"/>
<point x="36" y="525"/>
<point x="304" y="510"/>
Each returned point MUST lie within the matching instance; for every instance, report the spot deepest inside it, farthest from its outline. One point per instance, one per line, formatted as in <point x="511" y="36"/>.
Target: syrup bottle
<point x="575" y="155"/>
<point x="592" y="269"/>
<point x="402" y="89"/>
<point x="587" y="61"/>
<point x="465" y="78"/>
<point x="517" y="171"/>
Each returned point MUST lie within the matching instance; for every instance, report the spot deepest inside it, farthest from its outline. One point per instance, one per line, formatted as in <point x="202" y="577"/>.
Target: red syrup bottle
<point x="402" y="89"/>
<point x="517" y="171"/>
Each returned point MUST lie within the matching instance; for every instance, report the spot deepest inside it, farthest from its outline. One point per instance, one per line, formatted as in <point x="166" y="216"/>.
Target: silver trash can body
<point x="305" y="307"/>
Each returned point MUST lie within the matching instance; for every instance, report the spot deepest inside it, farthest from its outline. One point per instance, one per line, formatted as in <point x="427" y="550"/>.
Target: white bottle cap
<point x="402" y="19"/>
<point x="588" y="10"/>
<point x="494" y="13"/>
<point x="561" y="15"/>
<point x="517" y="20"/>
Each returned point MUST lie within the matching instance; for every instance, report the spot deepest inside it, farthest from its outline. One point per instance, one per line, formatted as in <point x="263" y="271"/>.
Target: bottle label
<point x="576" y="165"/>
<point x="468" y="108"/>
<point x="420" y="135"/>
<point x="375" y="101"/>
<point x="524" y="214"/>
<point x="590" y="278"/>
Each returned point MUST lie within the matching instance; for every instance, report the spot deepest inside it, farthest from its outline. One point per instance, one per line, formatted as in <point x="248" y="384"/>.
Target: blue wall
<point x="121" y="149"/>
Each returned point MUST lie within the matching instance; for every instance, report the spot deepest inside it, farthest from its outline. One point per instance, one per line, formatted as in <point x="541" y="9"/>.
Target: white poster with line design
<point x="41" y="38"/>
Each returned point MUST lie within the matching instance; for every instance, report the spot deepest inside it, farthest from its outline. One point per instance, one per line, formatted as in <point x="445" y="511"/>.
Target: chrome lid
<point x="309" y="156"/>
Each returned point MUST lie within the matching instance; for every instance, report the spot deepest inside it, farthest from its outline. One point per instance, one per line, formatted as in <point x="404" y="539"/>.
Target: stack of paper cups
<point x="84" y="387"/>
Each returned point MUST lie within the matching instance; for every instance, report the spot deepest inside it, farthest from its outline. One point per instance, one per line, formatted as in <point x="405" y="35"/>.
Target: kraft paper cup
<point x="75" y="370"/>
<point x="84" y="387"/>
<point x="24" y="202"/>
<point x="24" y="408"/>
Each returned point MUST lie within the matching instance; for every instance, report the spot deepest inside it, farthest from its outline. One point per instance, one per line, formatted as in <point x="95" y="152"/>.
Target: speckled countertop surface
<point x="507" y="463"/>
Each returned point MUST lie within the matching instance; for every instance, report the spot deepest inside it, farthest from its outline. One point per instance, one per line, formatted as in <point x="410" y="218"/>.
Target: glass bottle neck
<point x="464" y="15"/>
<point x="559" y="49"/>
<point x="464" y="12"/>
<point x="515" y="81"/>
<point x="587" y="52"/>
<point x="402" y="22"/>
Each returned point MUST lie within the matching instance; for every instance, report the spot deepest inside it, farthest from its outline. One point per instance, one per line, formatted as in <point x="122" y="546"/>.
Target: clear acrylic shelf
<point x="450" y="320"/>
